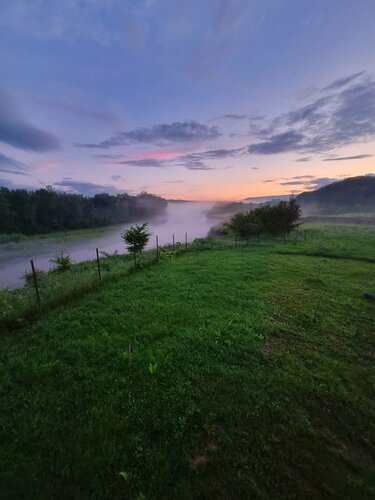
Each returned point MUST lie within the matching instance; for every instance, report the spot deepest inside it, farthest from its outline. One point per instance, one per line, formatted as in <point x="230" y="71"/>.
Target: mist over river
<point x="180" y="217"/>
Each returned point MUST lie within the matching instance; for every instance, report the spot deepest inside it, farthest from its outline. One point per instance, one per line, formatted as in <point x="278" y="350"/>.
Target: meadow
<point x="223" y="371"/>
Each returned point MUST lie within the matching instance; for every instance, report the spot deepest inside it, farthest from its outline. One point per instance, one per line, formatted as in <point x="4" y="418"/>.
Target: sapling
<point x="136" y="238"/>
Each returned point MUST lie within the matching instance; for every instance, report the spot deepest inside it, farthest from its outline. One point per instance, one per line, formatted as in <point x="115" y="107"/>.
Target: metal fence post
<point x="98" y="262"/>
<point x="35" y="283"/>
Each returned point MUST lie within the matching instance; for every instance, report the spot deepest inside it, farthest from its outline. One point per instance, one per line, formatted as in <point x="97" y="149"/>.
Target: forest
<point x="47" y="210"/>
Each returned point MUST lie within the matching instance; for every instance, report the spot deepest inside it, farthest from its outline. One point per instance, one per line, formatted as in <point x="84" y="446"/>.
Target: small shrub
<point x="136" y="239"/>
<point x="29" y="278"/>
<point x="62" y="262"/>
<point x="167" y="254"/>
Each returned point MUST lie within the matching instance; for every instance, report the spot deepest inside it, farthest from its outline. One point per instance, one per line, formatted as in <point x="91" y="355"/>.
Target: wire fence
<point x="43" y="291"/>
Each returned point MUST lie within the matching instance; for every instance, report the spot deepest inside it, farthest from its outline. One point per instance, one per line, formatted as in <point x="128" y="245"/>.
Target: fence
<point x="46" y="290"/>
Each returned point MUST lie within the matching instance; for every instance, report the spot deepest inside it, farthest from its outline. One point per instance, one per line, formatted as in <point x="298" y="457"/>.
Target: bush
<point x="62" y="262"/>
<point x="274" y="219"/>
<point x="29" y="278"/>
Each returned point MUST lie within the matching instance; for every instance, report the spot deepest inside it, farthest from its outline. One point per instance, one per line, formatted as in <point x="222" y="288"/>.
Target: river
<point x="180" y="218"/>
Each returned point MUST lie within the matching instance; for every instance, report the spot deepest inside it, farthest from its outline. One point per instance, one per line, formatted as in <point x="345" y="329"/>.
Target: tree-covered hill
<point x="45" y="210"/>
<point x="355" y="194"/>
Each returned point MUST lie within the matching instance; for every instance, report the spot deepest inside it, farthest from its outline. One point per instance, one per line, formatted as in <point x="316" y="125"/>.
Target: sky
<point x="198" y="99"/>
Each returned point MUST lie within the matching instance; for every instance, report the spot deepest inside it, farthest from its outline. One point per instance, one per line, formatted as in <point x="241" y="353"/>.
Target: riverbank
<point x="179" y="219"/>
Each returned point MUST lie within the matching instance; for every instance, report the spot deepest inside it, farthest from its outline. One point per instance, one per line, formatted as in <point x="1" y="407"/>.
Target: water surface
<point x="179" y="218"/>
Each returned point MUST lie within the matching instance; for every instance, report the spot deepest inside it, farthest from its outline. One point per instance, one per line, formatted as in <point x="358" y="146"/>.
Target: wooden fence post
<point x="98" y="262"/>
<point x="186" y="240"/>
<point x="157" y="248"/>
<point x="173" y="241"/>
<point x="35" y="283"/>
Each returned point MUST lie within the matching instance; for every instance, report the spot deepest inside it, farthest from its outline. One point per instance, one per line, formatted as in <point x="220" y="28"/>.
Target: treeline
<point x="46" y="210"/>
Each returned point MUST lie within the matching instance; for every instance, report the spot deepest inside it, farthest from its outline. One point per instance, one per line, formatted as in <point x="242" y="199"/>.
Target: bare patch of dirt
<point x="274" y="343"/>
<point x="203" y="455"/>
<point x="356" y="455"/>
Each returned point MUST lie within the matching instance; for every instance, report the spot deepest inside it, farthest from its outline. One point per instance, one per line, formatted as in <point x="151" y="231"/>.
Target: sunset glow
<point x="188" y="100"/>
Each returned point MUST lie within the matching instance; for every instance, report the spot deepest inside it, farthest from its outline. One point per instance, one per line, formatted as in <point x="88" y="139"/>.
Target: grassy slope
<point x="250" y="397"/>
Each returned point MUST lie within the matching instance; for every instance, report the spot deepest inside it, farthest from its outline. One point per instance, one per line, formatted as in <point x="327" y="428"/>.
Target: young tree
<point x="136" y="239"/>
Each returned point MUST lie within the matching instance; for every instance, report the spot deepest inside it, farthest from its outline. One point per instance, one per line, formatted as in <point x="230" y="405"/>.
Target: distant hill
<point x="225" y="210"/>
<point x="266" y="199"/>
<point x="352" y="195"/>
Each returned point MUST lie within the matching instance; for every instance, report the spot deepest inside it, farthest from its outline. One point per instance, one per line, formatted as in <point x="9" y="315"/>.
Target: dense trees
<point x="274" y="219"/>
<point x="45" y="210"/>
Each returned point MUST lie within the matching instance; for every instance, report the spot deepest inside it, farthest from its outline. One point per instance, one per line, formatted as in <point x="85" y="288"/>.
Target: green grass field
<point x="251" y="376"/>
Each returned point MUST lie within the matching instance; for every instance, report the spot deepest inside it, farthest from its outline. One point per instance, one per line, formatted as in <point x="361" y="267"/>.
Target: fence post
<point x="35" y="283"/>
<point x="186" y="240"/>
<point x="157" y="248"/>
<point x="173" y="241"/>
<point x="98" y="262"/>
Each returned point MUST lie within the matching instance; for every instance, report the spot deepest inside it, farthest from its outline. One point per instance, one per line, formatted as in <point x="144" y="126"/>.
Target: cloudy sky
<point x="203" y="99"/>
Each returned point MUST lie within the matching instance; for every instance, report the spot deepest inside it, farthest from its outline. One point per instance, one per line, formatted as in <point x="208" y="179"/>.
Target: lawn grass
<point x="238" y="385"/>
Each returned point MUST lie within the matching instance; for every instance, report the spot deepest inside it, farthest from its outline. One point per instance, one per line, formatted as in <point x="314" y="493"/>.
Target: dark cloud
<point x="231" y="116"/>
<point x="192" y="163"/>
<point x="309" y="182"/>
<point x="341" y="82"/>
<point x="88" y="145"/>
<point x="111" y="157"/>
<point x="292" y="183"/>
<point x="278" y="143"/>
<point x="17" y="132"/>
<point x="174" y="182"/>
<point x="11" y="166"/>
<point x="86" y="188"/>
<point x="300" y="180"/>
<point x="116" y="177"/>
<point x="304" y="159"/>
<point x="309" y="114"/>
<point x="177" y="132"/>
<point x="219" y="153"/>
<point x="338" y="119"/>
<point x="303" y="177"/>
<point x="196" y="161"/>
<point x="146" y="162"/>
<point x="255" y="168"/>
<point x="344" y="158"/>
<point x="319" y="182"/>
